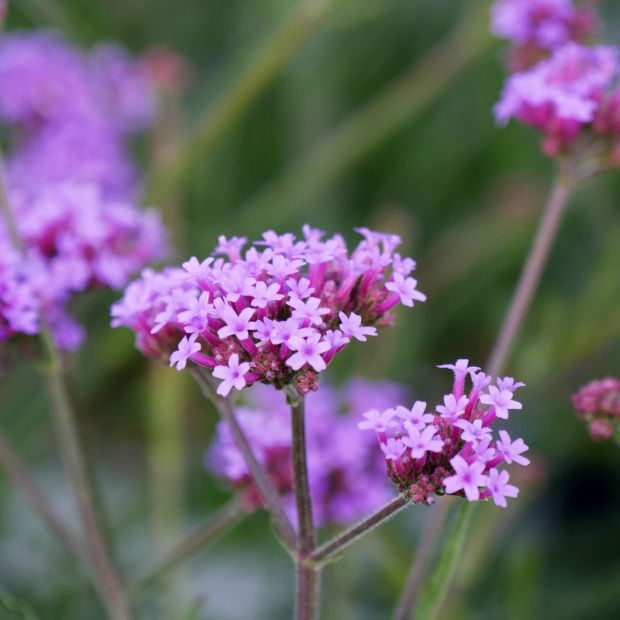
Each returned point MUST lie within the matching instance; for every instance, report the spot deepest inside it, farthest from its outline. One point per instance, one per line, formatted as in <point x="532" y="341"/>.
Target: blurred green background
<point x="380" y="117"/>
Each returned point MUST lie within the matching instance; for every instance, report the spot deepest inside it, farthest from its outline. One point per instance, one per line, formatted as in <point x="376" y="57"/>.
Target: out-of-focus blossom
<point x="537" y="27"/>
<point x="346" y="473"/>
<point x="571" y="95"/>
<point x="598" y="404"/>
<point x="454" y="452"/>
<point x="70" y="179"/>
<point x="256" y="304"/>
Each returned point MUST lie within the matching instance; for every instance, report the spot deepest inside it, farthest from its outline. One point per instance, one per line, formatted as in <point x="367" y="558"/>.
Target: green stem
<point x="75" y="463"/>
<point x="254" y="78"/>
<point x="268" y="492"/>
<point x="343" y="146"/>
<point x="308" y="577"/>
<point x="436" y="587"/>
<point x="225" y="518"/>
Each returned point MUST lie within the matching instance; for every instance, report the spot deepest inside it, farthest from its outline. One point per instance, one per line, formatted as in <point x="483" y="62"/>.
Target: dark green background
<point x="465" y="196"/>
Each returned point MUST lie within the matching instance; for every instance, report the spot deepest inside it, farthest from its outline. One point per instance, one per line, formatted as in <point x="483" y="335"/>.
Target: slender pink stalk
<point x="531" y="274"/>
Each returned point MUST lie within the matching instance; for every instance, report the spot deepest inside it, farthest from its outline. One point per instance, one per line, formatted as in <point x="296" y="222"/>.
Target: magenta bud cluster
<point x="598" y="404"/>
<point x="276" y="313"/>
<point x="453" y="449"/>
<point x="346" y="472"/>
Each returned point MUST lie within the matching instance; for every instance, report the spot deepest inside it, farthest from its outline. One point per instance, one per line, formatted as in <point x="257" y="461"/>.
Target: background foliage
<point x="465" y="197"/>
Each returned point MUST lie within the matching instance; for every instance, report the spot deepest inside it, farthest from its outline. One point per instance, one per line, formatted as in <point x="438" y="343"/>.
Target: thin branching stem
<point x="340" y="542"/>
<point x="75" y="463"/>
<point x="268" y="492"/>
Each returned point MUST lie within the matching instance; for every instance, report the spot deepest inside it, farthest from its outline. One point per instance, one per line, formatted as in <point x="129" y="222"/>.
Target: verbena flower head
<point x="284" y="306"/>
<point x="537" y="27"/>
<point x="572" y="94"/>
<point x="453" y="449"/>
<point x="346" y="473"/>
<point x="598" y="404"/>
<point x="70" y="179"/>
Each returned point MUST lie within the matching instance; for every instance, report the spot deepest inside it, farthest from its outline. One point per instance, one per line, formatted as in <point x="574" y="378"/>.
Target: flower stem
<point x="531" y="274"/>
<point x="435" y="590"/>
<point x="339" y="543"/>
<point x="268" y="492"/>
<point x="428" y="540"/>
<point x="563" y="186"/>
<point x="106" y="579"/>
<point x="38" y="499"/>
<point x="263" y="67"/>
<point x="308" y="577"/>
<point x="222" y="520"/>
<point x="75" y="463"/>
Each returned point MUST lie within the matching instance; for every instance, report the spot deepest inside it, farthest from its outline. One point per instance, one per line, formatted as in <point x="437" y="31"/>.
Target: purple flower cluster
<point x="70" y="180"/>
<point x="536" y="27"/>
<point x="275" y="313"/>
<point x="346" y="473"/>
<point x="70" y="112"/>
<point x="598" y="404"/>
<point x="452" y="450"/>
<point x="572" y="94"/>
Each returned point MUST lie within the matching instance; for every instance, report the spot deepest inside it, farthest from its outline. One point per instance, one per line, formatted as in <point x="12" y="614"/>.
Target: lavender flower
<point x="347" y="476"/>
<point x="454" y="452"/>
<point x="258" y="305"/>
<point x="598" y="404"/>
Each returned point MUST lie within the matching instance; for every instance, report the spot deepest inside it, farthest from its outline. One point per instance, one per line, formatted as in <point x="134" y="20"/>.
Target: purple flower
<point x="393" y="449"/>
<point x="308" y="351"/>
<point x="416" y="417"/>
<point x="238" y="325"/>
<point x="500" y="489"/>
<point x="308" y="310"/>
<point x="406" y="289"/>
<point x="448" y="451"/>
<point x="423" y="441"/>
<point x="598" y="404"/>
<point x="187" y="347"/>
<point x="232" y="375"/>
<point x="291" y="304"/>
<point x="352" y="327"/>
<point x="452" y="407"/>
<point x="468" y="477"/>
<point x="264" y="294"/>
<point x="376" y="420"/>
<point x="511" y="450"/>
<point x="501" y="400"/>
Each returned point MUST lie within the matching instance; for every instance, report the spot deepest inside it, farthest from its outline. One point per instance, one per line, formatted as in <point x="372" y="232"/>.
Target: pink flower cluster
<point x="346" y="473"/>
<point x="537" y="27"/>
<point x="598" y="404"/>
<point x="572" y="94"/>
<point x="70" y="180"/>
<point x="452" y="449"/>
<point x="276" y="313"/>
